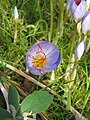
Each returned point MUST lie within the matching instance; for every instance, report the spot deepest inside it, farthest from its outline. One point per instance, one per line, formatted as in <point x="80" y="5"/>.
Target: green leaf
<point x="3" y="80"/>
<point x="13" y="97"/>
<point x="5" y="115"/>
<point x="68" y="100"/>
<point x="1" y="64"/>
<point x="36" y="102"/>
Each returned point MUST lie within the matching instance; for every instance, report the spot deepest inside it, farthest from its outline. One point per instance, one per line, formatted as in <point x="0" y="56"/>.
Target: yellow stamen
<point x="39" y="61"/>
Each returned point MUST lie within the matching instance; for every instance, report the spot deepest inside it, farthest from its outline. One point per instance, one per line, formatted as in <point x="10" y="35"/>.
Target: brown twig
<point x="12" y="83"/>
<point x="77" y="115"/>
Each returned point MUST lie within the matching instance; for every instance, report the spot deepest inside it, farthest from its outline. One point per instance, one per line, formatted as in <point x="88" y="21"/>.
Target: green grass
<point x="44" y="20"/>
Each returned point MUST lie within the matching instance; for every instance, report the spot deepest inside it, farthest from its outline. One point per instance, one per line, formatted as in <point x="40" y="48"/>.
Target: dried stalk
<point x="77" y="115"/>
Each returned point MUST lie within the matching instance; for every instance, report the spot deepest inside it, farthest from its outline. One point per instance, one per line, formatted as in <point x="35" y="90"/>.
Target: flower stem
<point x="73" y="73"/>
<point x="60" y="21"/>
<point x="88" y="47"/>
<point x="73" y="41"/>
<point x="15" y="33"/>
<point x="51" y="20"/>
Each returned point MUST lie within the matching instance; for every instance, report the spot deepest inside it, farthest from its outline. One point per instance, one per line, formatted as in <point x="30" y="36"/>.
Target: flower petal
<point x="88" y="3"/>
<point x="86" y="22"/>
<point x="53" y="59"/>
<point x="78" y="11"/>
<point x="80" y="49"/>
<point x="15" y="13"/>
<point x="51" y="67"/>
<point x="35" y="71"/>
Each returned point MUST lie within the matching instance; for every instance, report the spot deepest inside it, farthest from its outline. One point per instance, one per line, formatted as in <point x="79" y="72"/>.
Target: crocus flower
<point x="42" y="57"/>
<point x="80" y="50"/>
<point x="68" y="4"/>
<point x="86" y="22"/>
<point x="88" y="3"/>
<point x="78" y="9"/>
<point x="15" y="13"/>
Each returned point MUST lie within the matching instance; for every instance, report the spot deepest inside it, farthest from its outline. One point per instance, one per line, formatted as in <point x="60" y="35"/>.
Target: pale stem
<point x="51" y="20"/>
<point x="15" y="33"/>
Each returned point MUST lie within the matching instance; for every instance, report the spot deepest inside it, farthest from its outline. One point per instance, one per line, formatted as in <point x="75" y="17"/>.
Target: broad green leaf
<point x="36" y="102"/>
<point x="5" y="115"/>
<point x="13" y="97"/>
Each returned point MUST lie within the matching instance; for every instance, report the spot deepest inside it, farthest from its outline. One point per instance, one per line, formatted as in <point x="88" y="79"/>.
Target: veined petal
<point x="78" y="10"/>
<point x="50" y="68"/>
<point x="47" y="47"/>
<point x="35" y="71"/>
<point x="80" y="50"/>
<point x="54" y="59"/>
<point x="51" y="51"/>
<point x="86" y="22"/>
<point x="73" y="6"/>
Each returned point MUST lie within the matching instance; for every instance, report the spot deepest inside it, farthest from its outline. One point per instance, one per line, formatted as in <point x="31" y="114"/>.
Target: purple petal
<point x="73" y="6"/>
<point x="47" y="47"/>
<point x="52" y="66"/>
<point x="15" y="13"/>
<point x="86" y="22"/>
<point x="53" y="59"/>
<point x="35" y="71"/>
<point x="78" y="11"/>
<point x="80" y="49"/>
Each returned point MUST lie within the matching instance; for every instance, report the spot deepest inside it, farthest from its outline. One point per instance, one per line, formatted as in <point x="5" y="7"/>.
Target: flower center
<point x="39" y="61"/>
<point x="78" y="2"/>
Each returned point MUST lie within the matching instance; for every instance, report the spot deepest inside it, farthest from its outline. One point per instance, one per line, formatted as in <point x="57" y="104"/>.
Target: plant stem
<point x="15" y="33"/>
<point x="73" y="41"/>
<point x="60" y="22"/>
<point x="51" y="21"/>
<point x="88" y="47"/>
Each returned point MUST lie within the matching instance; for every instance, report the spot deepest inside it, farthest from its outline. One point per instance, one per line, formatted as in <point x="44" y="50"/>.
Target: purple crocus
<point x="86" y="22"/>
<point x="42" y="57"/>
<point x="15" y="13"/>
<point x="80" y="50"/>
<point x="78" y="9"/>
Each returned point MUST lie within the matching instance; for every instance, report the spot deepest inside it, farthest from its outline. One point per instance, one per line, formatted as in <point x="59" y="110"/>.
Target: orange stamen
<point x="40" y="60"/>
<point x="40" y="47"/>
<point x="31" y="56"/>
